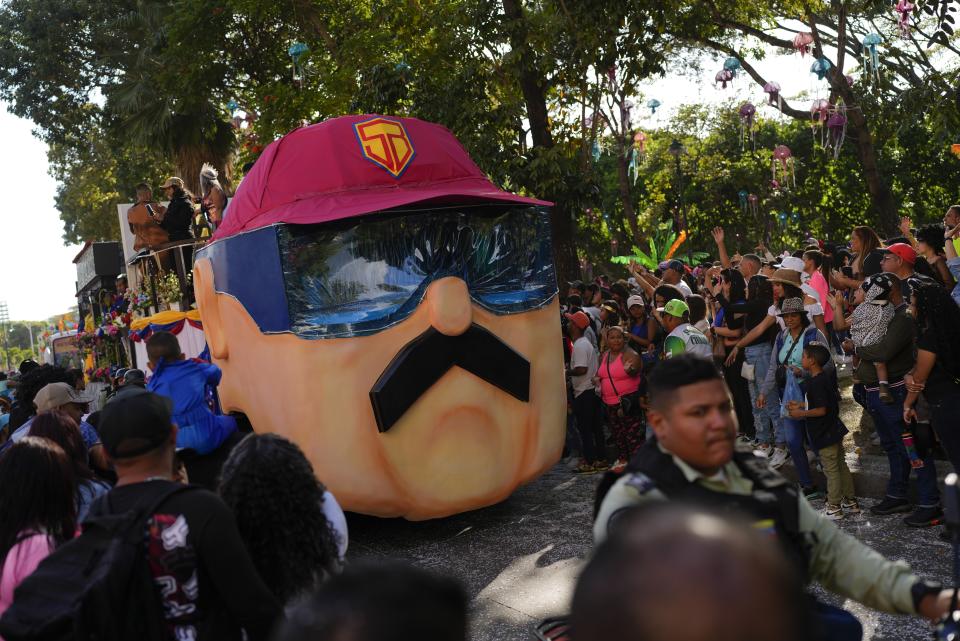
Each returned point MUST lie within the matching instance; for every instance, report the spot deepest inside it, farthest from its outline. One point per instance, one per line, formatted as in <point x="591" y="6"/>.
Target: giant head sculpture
<point x="373" y="297"/>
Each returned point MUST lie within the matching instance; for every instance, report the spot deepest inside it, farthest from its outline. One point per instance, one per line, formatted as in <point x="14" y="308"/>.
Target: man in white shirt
<point x="673" y="275"/>
<point x="583" y="368"/>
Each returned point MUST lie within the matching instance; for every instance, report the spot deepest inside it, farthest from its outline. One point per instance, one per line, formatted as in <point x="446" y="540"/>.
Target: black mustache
<point x="426" y="358"/>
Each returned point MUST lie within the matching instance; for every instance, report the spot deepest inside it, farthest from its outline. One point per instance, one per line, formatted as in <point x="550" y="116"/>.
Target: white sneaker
<point x="764" y="450"/>
<point x="780" y="456"/>
<point x="833" y="512"/>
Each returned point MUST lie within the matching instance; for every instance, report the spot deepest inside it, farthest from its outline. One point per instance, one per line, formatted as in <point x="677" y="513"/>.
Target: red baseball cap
<point x="903" y="251"/>
<point x="579" y="319"/>
<point x="355" y="165"/>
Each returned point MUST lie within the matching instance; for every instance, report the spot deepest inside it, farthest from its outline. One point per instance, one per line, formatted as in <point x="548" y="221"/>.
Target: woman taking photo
<point x="619" y="375"/>
<point x="292" y="526"/>
<point x="936" y="374"/>
<point x="37" y="491"/>
<point x="786" y="355"/>
<point x="767" y="424"/>
<point x="728" y="327"/>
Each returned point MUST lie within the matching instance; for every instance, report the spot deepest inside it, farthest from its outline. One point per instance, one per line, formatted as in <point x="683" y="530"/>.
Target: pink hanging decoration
<point x="772" y="89"/>
<point x="849" y="80"/>
<point x="754" y="202"/>
<point x="905" y="9"/>
<point x="819" y="113"/>
<point x="784" y="173"/>
<point x="747" y="130"/>
<point x="723" y="77"/>
<point x="836" y="128"/>
<point x="802" y="43"/>
<point x="640" y="143"/>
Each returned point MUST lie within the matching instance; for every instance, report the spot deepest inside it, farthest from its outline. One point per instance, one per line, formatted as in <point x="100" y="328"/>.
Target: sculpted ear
<point x="209" y="304"/>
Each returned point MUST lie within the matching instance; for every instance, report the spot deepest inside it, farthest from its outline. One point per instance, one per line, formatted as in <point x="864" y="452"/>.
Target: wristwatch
<point x="923" y="588"/>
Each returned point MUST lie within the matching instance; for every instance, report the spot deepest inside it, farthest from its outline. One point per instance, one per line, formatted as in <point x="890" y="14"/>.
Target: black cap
<point x="134" y="377"/>
<point x="135" y="423"/>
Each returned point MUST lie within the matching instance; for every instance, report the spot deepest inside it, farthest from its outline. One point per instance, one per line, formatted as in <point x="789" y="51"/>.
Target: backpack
<point x="96" y="586"/>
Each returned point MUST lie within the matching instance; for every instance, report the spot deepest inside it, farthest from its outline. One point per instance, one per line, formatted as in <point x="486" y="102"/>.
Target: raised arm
<point x="718" y="237"/>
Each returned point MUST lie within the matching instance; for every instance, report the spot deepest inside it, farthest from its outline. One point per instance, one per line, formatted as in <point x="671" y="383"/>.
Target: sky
<point x="39" y="276"/>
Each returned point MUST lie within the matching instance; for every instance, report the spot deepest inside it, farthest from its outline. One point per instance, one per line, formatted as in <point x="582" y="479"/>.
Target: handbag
<point x="781" y="375"/>
<point x="629" y="403"/>
<point x="748" y="371"/>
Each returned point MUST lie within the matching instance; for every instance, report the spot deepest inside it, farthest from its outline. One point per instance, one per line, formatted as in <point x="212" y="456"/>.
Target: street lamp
<point x="676" y="150"/>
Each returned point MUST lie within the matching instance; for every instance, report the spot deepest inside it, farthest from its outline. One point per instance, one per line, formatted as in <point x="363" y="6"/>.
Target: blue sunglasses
<point x="360" y="276"/>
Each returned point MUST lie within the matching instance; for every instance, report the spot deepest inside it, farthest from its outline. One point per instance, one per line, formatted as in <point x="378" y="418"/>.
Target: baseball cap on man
<point x="676" y="266"/>
<point x="674" y="307"/>
<point x="903" y="251"/>
<point x="135" y="423"/>
<point x="171" y="182"/>
<point x="579" y="319"/>
<point x="791" y="262"/>
<point x="634" y="300"/>
<point x="55" y="395"/>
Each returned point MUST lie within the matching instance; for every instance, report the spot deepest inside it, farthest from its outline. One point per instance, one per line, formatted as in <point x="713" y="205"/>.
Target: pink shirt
<point x="819" y="283"/>
<point x="21" y="561"/>
<point x="624" y="383"/>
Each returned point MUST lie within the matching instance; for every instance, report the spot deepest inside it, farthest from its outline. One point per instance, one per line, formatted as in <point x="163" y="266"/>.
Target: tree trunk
<point x="884" y="204"/>
<point x="532" y="85"/>
<point x="623" y="180"/>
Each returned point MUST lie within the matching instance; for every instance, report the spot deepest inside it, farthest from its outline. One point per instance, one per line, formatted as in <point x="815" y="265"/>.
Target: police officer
<point x="694" y="460"/>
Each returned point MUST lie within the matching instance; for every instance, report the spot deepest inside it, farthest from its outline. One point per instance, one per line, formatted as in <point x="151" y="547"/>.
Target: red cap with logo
<point x="354" y="165"/>
<point x="904" y="251"/>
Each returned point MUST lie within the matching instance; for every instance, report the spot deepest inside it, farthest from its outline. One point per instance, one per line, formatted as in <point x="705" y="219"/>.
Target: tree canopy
<point x="543" y="95"/>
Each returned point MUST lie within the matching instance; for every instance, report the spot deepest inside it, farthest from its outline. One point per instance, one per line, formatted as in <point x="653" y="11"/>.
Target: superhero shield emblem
<point x="385" y="143"/>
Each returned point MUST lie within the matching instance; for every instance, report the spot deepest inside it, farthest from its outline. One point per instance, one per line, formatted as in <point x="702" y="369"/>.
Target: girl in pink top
<point x="37" y="501"/>
<point x="619" y="375"/>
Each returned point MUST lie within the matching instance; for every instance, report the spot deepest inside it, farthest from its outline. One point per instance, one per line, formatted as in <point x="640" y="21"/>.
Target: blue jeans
<point x="759" y="357"/>
<point x="888" y="419"/>
<point x="835" y="624"/>
<point x="795" y="431"/>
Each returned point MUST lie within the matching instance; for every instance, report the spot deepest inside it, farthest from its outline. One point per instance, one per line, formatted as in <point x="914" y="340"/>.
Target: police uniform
<point x="748" y="487"/>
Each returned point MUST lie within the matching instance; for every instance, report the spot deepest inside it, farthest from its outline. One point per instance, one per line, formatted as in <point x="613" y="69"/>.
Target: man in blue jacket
<point x="185" y="382"/>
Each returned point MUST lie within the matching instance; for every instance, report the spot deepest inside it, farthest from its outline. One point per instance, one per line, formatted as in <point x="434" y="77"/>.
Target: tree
<point x="838" y="27"/>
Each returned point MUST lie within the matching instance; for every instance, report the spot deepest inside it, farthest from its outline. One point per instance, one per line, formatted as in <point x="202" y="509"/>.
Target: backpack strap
<point x="144" y="508"/>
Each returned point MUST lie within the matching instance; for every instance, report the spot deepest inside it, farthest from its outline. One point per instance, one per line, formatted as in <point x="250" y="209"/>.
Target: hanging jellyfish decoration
<point x="296" y="51"/>
<point x="904" y="11"/>
<point x="836" y="128"/>
<point x="772" y="89"/>
<point x="235" y="120"/>
<point x="782" y="218"/>
<point x="802" y="42"/>
<point x="723" y="77"/>
<point x="871" y="59"/>
<point x="640" y="144"/>
<point x="819" y="114"/>
<point x="743" y="194"/>
<point x="784" y="172"/>
<point x="849" y="80"/>
<point x="747" y="121"/>
<point x="753" y="201"/>
<point x="652" y="104"/>
<point x="633" y="169"/>
<point x="613" y="246"/>
<point x="595" y="151"/>
<point x="955" y="149"/>
<point x="732" y="65"/>
<point x="820" y="68"/>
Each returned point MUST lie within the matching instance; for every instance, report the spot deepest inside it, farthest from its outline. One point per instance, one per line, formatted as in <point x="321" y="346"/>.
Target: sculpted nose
<point x="451" y="312"/>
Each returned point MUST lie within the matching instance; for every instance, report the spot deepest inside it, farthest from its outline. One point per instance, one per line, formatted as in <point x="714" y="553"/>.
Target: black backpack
<point x="96" y="586"/>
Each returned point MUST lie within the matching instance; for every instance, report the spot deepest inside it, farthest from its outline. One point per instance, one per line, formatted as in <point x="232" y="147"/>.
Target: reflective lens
<point x="363" y="275"/>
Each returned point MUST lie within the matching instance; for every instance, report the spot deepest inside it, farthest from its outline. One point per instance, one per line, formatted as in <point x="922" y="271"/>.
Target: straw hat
<point x="786" y="277"/>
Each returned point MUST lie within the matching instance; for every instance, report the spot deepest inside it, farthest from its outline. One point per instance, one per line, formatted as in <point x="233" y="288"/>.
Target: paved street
<point x="519" y="559"/>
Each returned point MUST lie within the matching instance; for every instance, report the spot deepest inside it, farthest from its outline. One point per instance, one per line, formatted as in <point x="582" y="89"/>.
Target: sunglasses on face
<point x="360" y="276"/>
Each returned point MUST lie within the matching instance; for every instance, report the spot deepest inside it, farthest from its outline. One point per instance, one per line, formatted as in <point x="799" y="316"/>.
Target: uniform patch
<point x="640" y="482"/>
